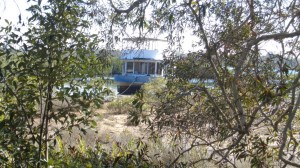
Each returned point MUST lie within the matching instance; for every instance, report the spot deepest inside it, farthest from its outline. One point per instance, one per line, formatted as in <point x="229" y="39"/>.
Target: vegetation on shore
<point x="231" y="101"/>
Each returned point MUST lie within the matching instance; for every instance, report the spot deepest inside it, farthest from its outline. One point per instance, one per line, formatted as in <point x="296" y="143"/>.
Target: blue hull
<point x="128" y="84"/>
<point x="131" y="79"/>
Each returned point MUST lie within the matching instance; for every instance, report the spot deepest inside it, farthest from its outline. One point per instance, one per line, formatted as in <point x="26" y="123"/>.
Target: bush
<point x="121" y="105"/>
<point x="153" y="90"/>
<point x="117" y="156"/>
<point x="146" y="100"/>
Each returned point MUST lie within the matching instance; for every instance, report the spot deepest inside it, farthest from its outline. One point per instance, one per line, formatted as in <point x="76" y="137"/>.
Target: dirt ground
<point x="110" y="128"/>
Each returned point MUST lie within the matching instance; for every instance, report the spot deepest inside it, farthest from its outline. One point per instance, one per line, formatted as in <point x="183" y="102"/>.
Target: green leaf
<point x="20" y="18"/>
<point x="25" y="47"/>
<point x="2" y="53"/>
<point x="171" y="18"/>
<point x="6" y="21"/>
<point x="2" y="117"/>
<point x="93" y="123"/>
<point x="15" y="84"/>
<point x="39" y="2"/>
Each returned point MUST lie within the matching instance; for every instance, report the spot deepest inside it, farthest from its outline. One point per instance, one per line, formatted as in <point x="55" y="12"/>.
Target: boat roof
<point x="141" y="54"/>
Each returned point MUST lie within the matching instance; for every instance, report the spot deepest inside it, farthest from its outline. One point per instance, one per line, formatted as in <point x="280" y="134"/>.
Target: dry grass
<point x="113" y="127"/>
<point x="110" y="127"/>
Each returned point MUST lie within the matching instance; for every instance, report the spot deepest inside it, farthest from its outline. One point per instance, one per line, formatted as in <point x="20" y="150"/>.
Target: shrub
<point x="146" y="100"/>
<point x="153" y="90"/>
<point x="121" y="105"/>
<point x="117" y="156"/>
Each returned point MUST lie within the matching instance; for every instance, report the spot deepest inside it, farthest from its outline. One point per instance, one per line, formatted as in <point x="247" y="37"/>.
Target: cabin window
<point x="151" y="68"/>
<point x="140" y="67"/>
<point x="159" y="68"/>
<point x="137" y="68"/>
<point x="129" y="67"/>
<point x="144" y="67"/>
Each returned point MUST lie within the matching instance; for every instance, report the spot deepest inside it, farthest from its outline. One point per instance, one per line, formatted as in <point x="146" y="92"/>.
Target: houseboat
<point x="139" y="66"/>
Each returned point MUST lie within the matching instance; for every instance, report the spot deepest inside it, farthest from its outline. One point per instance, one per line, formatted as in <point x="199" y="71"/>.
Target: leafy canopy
<point x="252" y="99"/>
<point x="49" y="64"/>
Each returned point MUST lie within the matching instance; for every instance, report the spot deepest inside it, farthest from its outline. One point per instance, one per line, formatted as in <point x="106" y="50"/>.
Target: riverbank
<point x="111" y="127"/>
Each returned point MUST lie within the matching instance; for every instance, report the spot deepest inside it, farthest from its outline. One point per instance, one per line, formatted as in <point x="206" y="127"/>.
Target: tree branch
<point x="273" y="37"/>
<point x="285" y="131"/>
<point x="131" y="7"/>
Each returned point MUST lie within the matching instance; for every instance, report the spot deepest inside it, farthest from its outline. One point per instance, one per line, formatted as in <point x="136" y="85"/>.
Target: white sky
<point x="11" y="9"/>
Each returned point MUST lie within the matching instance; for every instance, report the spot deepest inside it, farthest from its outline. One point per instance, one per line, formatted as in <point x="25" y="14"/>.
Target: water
<point x="111" y="85"/>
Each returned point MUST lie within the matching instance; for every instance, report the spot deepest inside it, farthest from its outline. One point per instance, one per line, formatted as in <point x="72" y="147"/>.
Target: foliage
<point x="127" y="151"/>
<point x="49" y="58"/>
<point x="146" y="100"/>
<point x="152" y="90"/>
<point x="121" y="105"/>
<point x="249" y="112"/>
<point x="255" y="94"/>
<point x="198" y="68"/>
<point x="116" y="65"/>
<point x="134" y="155"/>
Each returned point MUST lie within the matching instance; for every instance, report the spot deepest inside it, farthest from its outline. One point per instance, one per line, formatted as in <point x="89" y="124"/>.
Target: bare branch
<point x="128" y="10"/>
<point x="285" y="131"/>
<point x="276" y="36"/>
